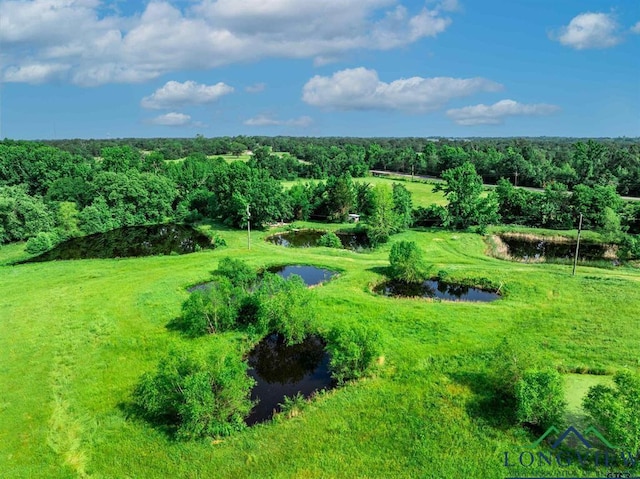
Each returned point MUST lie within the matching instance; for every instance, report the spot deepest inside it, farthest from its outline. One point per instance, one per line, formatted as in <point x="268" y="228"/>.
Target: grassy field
<point x="422" y="193"/>
<point x="75" y="336"/>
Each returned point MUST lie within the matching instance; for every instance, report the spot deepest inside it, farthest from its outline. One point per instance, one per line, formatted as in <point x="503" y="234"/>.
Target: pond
<point x="281" y="370"/>
<point x="537" y="249"/>
<point x="309" y="239"/>
<point x="435" y="289"/>
<point x="311" y="275"/>
<point x="130" y="241"/>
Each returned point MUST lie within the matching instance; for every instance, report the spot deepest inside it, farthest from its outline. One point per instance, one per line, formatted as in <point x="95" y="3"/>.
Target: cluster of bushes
<point x="239" y="299"/>
<point x="202" y="394"/>
<point x="536" y="396"/>
<point x="197" y="393"/>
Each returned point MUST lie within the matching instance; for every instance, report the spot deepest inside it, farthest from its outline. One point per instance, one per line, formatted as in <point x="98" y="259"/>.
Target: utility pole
<point x="516" y="178"/>
<point x="575" y="259"/>
<point x="248" y="227"/>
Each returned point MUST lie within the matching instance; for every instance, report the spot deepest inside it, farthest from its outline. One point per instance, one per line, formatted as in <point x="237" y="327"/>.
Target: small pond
<point x="436" y="289"/>
<point x="311" y="275"/>
<point x="309" y="239"/>
<point x="129" y="241"/>
<point x="281" y="370"/>
<point x="528" y="249"/>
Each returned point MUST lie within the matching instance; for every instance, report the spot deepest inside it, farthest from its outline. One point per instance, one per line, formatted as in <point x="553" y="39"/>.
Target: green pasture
<point x="422" y="193"/>
<point x="75" y="336"/>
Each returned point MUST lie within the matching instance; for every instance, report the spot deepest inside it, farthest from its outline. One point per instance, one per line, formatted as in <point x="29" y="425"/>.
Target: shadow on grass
<point x="381" y="270"/>
<point x="487" y="403"/>
<point x="166" y="426"/>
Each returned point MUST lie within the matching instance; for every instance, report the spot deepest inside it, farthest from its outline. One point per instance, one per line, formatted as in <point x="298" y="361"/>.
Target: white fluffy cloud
<point x="266" y="120"/>
<point x="175" y="94"/>
<point x="589" y="30"/>
<point x="361" y="89"/>
<point x="34" y="72"/>
<point x="101" y="47"/>
<point x="495" y="114"/>
<point x="172" y="119"/>
<point x="636" y="28"/>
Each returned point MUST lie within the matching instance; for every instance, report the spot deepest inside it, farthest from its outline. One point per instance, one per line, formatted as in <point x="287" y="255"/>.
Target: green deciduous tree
<point x="402" y="205"/>
<point x="407" y="263"/>
<point x="383" y="220"/>
<point x="339" y="197"/>
<point x="463" y="187"/>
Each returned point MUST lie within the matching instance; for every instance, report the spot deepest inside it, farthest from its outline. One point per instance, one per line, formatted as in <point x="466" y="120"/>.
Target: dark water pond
<point x="436" y="289"/>
<point x="281" y="370"/>
<point x="535" y="249"/>
<point x="309" y="239"/>
<point x="311" y="275"/>
<point x="130" y="241"/>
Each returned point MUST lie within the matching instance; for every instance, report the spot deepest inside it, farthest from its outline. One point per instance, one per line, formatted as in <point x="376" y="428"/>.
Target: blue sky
<point x="456" y="68"/>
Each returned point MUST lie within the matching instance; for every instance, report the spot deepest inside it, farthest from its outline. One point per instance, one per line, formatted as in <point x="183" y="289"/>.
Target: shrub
<point x="353" y="351"/>
<point x="41" y="243"/>
<point x="615" y="410"/>
<point x="629" y="247"/>
<point x="211" y="310"/>
<point x="284" y="306"/>
<point x="509" y="361"/>
<point x="239" y="273"/>
<point x="330" y="240"/>
<point x="200" y="394"/>
<point x="432" y="215"/>
<point x="407" y="262"/>
<point x="540" y="398"/>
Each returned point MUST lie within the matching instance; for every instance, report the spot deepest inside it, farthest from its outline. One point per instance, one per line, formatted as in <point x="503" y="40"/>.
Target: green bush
<point x="509" y="364"/>
<point x="212" y="310"/>
<point x="407" y="262"/>
<point x="200" y="394"/>
<point x="353" y="351"/>
<point x="285" y="307"/>
<point x="629" y="247"/>
<point x="615" y="410"/>
<point x="330" y="240"/>
<point x="239" y="273"/>
<point x="41" y="243"/>
<point x="540" y="398"/>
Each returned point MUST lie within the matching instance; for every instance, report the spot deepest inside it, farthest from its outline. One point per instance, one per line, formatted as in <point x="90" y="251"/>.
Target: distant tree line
<point x="48" y="194"/>
<point x="535" y="162"/>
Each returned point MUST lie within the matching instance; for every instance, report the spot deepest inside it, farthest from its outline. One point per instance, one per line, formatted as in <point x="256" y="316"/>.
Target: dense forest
<point x="534" y="162"/>
<point x="50" y="191"/>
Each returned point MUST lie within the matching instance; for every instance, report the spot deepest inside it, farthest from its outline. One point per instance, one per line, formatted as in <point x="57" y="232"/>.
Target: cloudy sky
<point x="107" y="69"/>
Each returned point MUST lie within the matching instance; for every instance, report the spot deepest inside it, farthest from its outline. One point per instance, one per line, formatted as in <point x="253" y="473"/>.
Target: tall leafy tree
<point x="383" y="220"/>
<point x="402" y="205"/>
<point x="463" y="189"/>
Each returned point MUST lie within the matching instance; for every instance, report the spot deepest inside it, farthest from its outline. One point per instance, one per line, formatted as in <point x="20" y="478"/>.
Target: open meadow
<point x="75" y="336"/>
